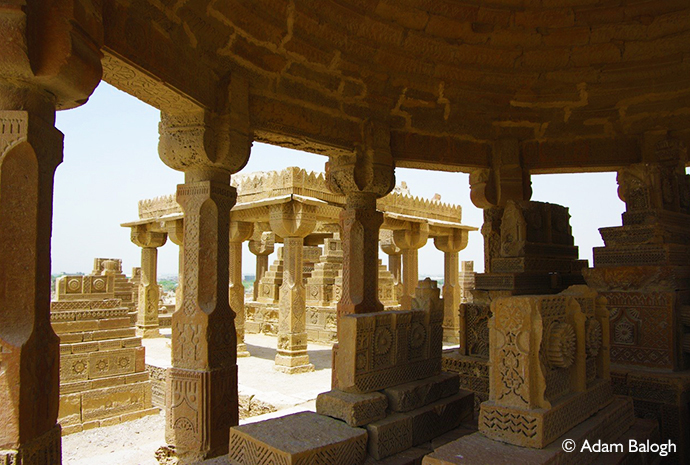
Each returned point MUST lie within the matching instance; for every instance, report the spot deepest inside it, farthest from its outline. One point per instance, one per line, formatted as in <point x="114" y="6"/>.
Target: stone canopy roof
<point x="256" y="192"/>
<point x="577" y="82"/>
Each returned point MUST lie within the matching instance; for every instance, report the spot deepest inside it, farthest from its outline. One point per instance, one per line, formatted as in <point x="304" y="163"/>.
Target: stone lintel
<point x="353" y="409"/>
<point x="409" y="396"/>
<point x="300" y="438"/>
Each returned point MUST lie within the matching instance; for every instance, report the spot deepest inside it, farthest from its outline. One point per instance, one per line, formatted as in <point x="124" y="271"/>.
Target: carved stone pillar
<point x="202" y="400"/>
<point x="262" y="246"/>
<point x="363" y="178"/>
<point x="48" y="61"/>
<point x="394" y="259"/>
<point x="239" y="232"/>
<point x="175" y="232"/>
<point x="149" y="292"/>
<point x="292" y="221"/>
<point x="410" y="240"/>
<point x="450" y="246"/>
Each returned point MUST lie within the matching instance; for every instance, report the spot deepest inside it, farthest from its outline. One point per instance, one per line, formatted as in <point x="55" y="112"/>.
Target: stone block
<point x="70" y="338"/>
<point x="410" y="396"/>
<point x="475" y="449"/>
<point x="108" y="402"/>
<point x="70" y="409"/>
<point x="113" y="323"/>
<point x="441" y="416"/>
<point x="112" y="363"/>
<point x="389" y="436"/>
<point x="353" y="409"/>
<point x="74" y="368"/>
<point x="412" y="456"/>
<point x="384" y="349"/>
<point x="107" y="382"/>
<point x="113" y="334"/>
<point x="301" y="438"/>
<point x="84" y="347"/>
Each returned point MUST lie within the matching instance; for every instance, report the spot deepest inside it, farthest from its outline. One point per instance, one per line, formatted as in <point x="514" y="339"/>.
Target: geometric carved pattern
<point x="538" y="382"/>
<point x="381" y="349"/>
<point x="477" y="330"/>
<point x="642" y="328"/>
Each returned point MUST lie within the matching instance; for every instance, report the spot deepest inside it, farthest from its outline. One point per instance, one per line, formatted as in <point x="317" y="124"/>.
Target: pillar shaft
<point x="149" y="294"/>
<point x="30" y="150"/>
<point x="451" y="295"/>
<point x="292" y="331"/>
<point x="395" y="268"/>
<point x="261" y="267"/>
<point x="239" y="232"/>
<point x="202" y="400"/>
<point x="410" y="273"/>
<point x="360" y="223"/>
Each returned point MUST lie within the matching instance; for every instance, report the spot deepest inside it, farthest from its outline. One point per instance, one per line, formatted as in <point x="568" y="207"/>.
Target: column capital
<point x="453" y="243"/>
<point x="175" y="231"/>
<point x="413" y="237"/>
<point x="53" y="50"/>
<point x="504" y="180"/>
<point x="240" y="231"/>
<point x="292" y="219"/>
<point x="263" y="243"/>
<point x="369" y="170"/>
<point x="209" y="144"/>
<point x="388" y="242"/>
<point x="142" y="236"/>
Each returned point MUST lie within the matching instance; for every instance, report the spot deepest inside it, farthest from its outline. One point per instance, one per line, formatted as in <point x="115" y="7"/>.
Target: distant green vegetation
<point x="168" y="284"/>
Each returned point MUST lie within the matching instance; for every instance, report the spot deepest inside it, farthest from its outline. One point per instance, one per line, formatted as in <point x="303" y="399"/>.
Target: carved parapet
<point x="159" y="207"/>
<point x="383" y="349"/>
<point x="549" y="366"/>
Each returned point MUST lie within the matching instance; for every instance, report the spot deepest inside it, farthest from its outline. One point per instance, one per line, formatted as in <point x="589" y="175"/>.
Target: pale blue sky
<point x="111" y="161"/>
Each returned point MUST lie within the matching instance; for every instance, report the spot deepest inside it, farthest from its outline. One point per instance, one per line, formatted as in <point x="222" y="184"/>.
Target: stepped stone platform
<point x="103" y="380"/>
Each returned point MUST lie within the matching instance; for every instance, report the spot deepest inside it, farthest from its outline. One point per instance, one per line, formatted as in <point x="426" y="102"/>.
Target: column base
<point x="201" y="406"/>
<point x="148" y="331"/>
<point x="242" y="350"/>
<point x="44" y="450"/>
<point x="293" y="364"/>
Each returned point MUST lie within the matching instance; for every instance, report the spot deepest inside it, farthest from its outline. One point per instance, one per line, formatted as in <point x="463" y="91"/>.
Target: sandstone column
<point x="292" y="221"/>
<point x="175" y="231"/>
<point x="394" y="258"/>
<point x="410" y="240"/>
<point x="262" y="247"/>
<point x="450" y="246"/>
<point x="36" y="77"/>
<point x="149" y="292"/>
<point x="239" y="232"/>
<point x="363" y="177"/>
<point x="201" y="397"/>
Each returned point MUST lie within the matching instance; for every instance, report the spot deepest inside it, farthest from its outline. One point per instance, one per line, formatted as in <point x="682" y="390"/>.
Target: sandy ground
<point x="135" y="442"/>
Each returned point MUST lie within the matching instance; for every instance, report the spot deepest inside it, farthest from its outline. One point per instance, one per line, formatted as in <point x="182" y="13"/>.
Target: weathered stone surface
<point x="607" y="425"/>
<point x="353" y="409"/>
<point x="298" y="439"/>
<point x="400" y="431"/>
<point x="409" y="396"/>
